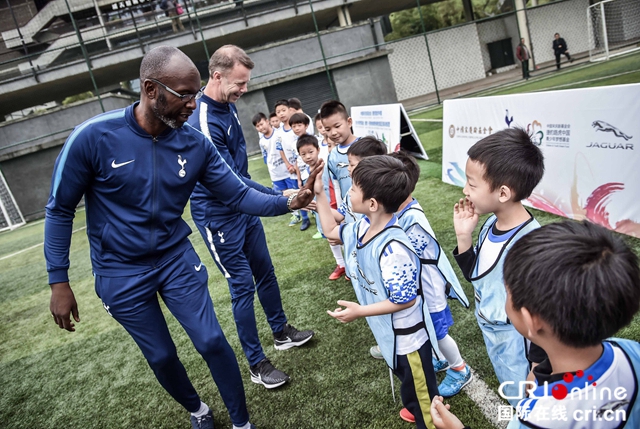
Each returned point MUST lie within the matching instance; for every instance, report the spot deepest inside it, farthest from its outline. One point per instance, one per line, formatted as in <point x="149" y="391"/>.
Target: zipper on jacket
<point x="152" y="241"/>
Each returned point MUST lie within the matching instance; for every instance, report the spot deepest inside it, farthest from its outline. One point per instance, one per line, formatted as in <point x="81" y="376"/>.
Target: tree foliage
<point x="440" y="15"/>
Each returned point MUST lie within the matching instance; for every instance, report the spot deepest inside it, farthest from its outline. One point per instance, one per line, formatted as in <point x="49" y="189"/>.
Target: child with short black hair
<point x="286" y="146"/>
<point x="439" y="282"/>
<point x="321" y="135"/>
<point x="257" y="118"/>
<point x="385" y="274"/>
<point x="570" y="286"/>
<point x="299" y="123"/>
<point x="269" y="140"/>
<point x="295" y="106"/>
<point x="274" y="120"/>
<point x="502" y="170"/>
<point x="326" y="146"/>
<point x="360" y="149"/>
<point x="337" y="125"/>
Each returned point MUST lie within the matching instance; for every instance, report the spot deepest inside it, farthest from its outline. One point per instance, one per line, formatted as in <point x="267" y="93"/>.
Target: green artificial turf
<point x="97" y="377"/>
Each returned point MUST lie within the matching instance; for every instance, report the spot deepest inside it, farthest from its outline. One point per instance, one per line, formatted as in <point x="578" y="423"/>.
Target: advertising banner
<point x="590" y="139"/>
<point x="389" y="123"/>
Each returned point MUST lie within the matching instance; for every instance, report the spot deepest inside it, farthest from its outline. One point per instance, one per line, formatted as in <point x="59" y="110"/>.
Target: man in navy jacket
<point x="559" y="48"/>
<point x="237" y="242"/>
<point x="136" y="168"/>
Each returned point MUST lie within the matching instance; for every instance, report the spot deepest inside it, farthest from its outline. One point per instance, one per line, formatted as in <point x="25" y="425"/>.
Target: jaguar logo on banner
<point x="605" y="127"/>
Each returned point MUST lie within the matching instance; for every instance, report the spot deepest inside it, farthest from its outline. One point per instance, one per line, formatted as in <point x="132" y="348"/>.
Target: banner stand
<point x="390" y="124"/>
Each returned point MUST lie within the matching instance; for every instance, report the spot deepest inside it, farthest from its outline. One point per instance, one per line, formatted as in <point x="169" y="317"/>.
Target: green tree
<point x="442" y="14"/>
<point x="77" y="97"/>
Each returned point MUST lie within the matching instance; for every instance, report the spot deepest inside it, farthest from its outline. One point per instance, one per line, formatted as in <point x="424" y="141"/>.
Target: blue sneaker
<point x="454" y="381"/>
<point x="305" y="225"/>
<point x="204" y="422"/>
<point x="439" y="365"/>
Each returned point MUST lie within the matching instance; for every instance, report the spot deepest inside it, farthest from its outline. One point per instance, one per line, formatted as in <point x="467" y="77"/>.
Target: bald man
<point x="136" y="168"/>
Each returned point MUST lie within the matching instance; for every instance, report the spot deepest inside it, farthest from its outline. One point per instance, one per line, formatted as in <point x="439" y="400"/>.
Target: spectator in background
<point x="559" y="48"/>
<point x="523" y="55"/>
<point x="173" y="9"/>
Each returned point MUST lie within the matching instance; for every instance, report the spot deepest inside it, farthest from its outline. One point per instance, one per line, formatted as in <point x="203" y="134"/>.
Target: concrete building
<point x="347" y="58"/>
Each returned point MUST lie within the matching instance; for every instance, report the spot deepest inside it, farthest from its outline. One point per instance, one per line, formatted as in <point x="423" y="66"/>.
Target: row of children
<point x="545" y="298"/>
<point x="290" y="150"/>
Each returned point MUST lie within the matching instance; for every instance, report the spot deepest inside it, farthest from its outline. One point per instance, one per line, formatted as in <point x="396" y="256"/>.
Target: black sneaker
<point x="266" y="374"/>
<point x="291" y="337"/>
<point x="204" y="422"/>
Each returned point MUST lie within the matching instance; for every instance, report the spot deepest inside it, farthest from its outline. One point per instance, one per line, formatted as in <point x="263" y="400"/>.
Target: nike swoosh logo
<point x="229" y="131"/>
<point x="199" y="267"/>
<point x="114" y="165"/>
<point x="288" y="340"/>
<point x="342" y="164"/>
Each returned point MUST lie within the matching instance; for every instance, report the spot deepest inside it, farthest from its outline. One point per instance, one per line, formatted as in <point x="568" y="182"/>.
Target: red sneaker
<point x="407" y="416"/>
<point x="337" y="273"/>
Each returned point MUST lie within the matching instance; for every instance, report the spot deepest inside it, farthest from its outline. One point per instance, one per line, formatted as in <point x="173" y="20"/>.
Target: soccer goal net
<point x="10" y="215"/>
<point x="614" y="28"/>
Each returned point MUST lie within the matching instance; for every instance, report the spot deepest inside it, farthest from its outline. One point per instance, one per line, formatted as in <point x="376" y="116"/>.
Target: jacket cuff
<point x="58" y="276"/>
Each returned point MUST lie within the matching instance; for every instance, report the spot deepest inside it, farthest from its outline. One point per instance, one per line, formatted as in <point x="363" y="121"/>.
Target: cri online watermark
<point x="575" y="405"/>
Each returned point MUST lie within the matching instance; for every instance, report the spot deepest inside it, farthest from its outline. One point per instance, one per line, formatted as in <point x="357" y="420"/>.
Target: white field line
<point x="486" y="399"/>
<point x="34" y="246"/>
<point x="426" y="120"/>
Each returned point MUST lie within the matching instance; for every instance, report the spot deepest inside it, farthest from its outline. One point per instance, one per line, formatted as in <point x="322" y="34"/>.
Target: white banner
<point x="590" y="139"/>
<point x="389" y="123"/>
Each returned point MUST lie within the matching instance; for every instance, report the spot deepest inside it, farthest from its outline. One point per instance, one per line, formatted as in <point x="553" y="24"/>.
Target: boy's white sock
<point x="449" y="349"/>
<point x="203" y="410"/>
<point x="337" y="254"/>
<point x="246" y="426"/>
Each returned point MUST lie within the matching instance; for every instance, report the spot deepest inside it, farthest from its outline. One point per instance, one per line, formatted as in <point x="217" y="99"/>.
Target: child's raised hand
<point x="442" y="417"/>
<point x="347" y="314"/>
<point x="465" y="217"/>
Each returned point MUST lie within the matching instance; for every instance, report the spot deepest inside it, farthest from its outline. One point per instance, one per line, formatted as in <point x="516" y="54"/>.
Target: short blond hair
<point x="226" y="57"/>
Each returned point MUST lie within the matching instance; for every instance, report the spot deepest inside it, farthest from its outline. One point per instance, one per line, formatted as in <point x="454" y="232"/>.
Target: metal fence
<point x="422" y="64"/>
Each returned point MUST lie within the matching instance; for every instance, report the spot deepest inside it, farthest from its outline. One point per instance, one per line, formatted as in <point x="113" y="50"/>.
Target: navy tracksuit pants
<point x="182" y="284"/>
<point x="239" y="248"/>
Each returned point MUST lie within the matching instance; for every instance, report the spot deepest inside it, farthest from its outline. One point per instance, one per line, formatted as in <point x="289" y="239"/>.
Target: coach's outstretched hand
<point x="63" y="303"/>
<point x="305" y="196"/>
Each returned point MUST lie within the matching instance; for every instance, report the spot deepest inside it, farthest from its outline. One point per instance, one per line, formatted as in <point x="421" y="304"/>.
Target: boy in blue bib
<point x="570" y="286"/>
<point x="385" y="273"/>
<point x="502" y="170"/>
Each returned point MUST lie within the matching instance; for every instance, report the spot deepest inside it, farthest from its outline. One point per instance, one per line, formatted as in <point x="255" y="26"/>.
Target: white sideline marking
<point x="485" y="399"/>
<point x="34" y="246"/>
<point x="426" y="120"/>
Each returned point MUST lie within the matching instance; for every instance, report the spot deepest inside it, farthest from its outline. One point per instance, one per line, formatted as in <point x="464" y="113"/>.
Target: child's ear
<point x="533" y="324"/>
<point x="373" y="203"/>
<point x="505" y="194"/>
<point x="349" y="121"/>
